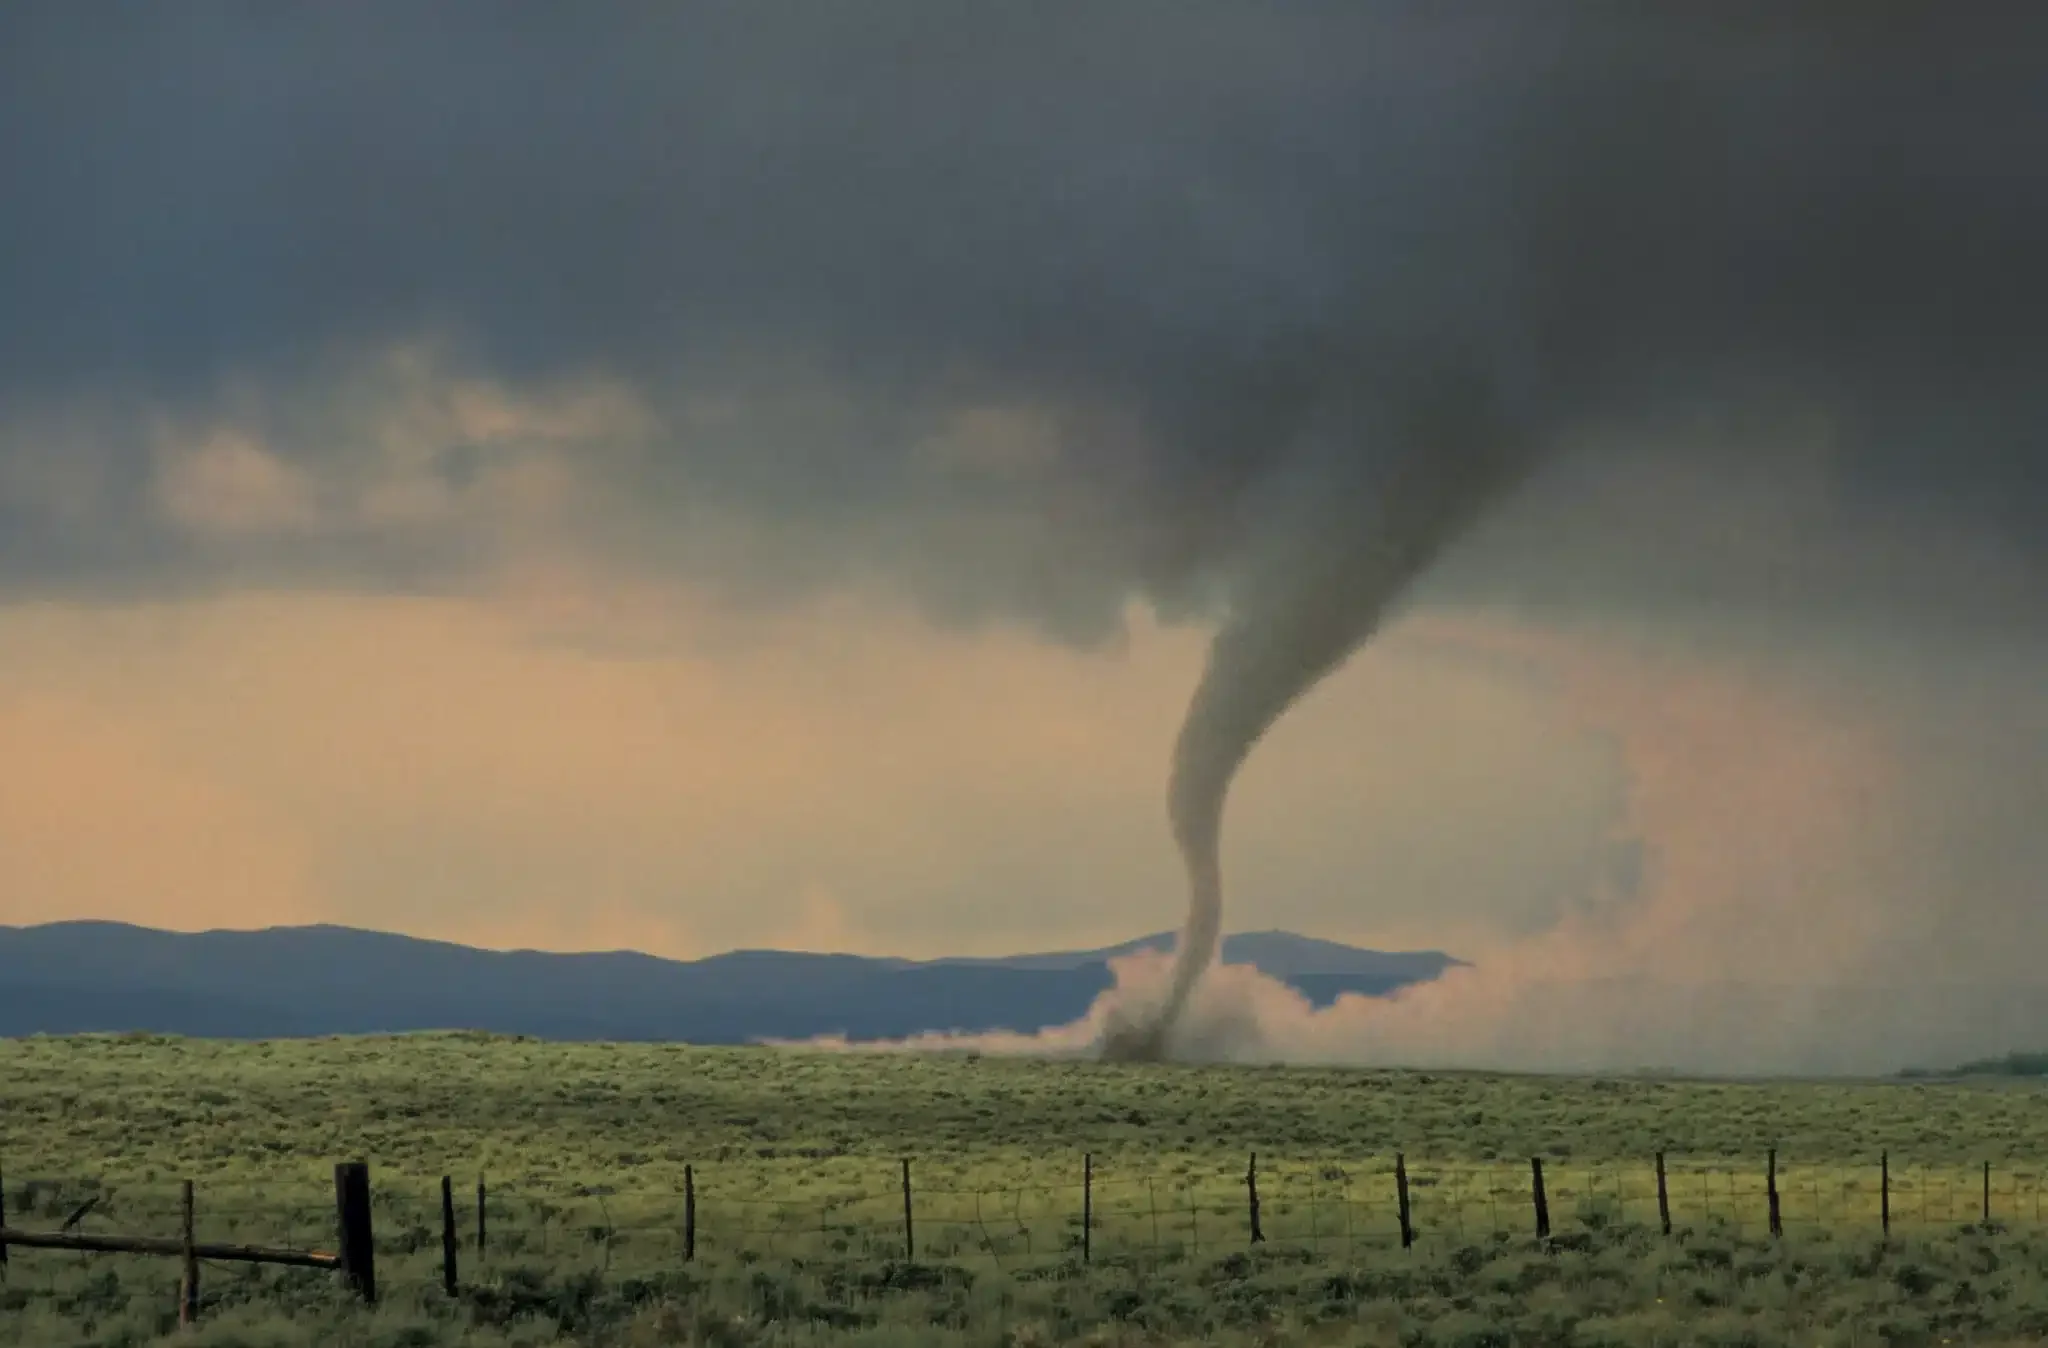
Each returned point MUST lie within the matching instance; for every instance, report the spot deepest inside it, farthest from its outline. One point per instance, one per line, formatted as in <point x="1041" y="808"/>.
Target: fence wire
<point x="1338" y="1208"/>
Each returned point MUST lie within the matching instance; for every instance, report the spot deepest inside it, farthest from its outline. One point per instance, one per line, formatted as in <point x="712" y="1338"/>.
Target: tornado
<point x="1370" y="517"/>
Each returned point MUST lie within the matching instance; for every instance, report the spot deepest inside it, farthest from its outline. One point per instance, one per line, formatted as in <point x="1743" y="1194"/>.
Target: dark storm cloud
<point x="1184" y="231"/>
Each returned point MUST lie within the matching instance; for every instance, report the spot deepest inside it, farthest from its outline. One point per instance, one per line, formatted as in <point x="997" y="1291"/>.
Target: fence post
<point x="1987" y="1193"/>
<point x="188" y="1285"/>
<point x="1251" y="1181"/>
<point x="480" y="1217"/>
<point x="1884" y="1191"/>
<point x="1663" y="1197"/>
<point x="909" y="1227"/>
<point x="352" y="1215"/>
<point x="448" y="1240"/>
<point x="1771" y="1193"/>
<point x="689" y="1213"/>
<point x="1401" y="1197"/>
<point x="1542" y="1199"/>
<point x="1087" y="1204"/>
<point x="3" y="1222"/>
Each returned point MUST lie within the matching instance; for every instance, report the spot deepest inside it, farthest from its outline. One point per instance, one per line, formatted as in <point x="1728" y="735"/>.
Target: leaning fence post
<point x="1771" y="1193"/>
<point x="352" y="1215"/>
<point x="689" y="1213"/>
<point x="448" y="1239"/>
<point x="1542" y="1199"/>
<point x="1884" y="1191"/>
<point x="1663" y="1197"/>
<point x="1251" y="1181"/>
<point x="1401" y="1198"/>
<point x="1087" y="1204"/>
<point x="909" y="1228"/>
<point x="188" y="1285"/>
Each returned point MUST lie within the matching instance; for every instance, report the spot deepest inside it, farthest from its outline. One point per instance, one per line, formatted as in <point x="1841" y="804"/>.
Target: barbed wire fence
<point x="435" y="1233"/>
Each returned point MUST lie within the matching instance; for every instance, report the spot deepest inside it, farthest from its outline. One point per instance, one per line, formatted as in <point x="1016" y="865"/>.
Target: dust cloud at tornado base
<point x="1789" y="918"/>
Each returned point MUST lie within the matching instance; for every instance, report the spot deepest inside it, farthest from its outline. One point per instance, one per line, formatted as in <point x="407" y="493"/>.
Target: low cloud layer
<point x="1012" y="315"/>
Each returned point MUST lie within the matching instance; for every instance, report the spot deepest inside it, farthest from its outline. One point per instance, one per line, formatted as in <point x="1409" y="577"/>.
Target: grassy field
<point x="796" y="1166"/>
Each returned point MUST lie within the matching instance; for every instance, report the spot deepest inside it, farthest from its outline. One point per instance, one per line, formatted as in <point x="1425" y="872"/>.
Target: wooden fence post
<point x="1087" y="1205"/>
<point x="909" y="1227"/>
<point x="1251" y="1182"/>
<point x="1663" y="1197"/>
<point x="448" y="1238"/>
<point x="1987" y="1193"/>
<point x="1771" y="1193"/>
<point x="188" y="1285"/>
<point x="689" y="1213"/>
<point x="3" y="1221"/>
<point x="1401" y="1199"/>
<point x="1542" y="1199"/>
<point x="480" y="1233"/>
<point x="352" y="1215"/>
<point x="1884" y="1191"/>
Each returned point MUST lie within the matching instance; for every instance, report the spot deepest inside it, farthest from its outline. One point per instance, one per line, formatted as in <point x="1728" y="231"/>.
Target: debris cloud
<point x="1785" y="916"/>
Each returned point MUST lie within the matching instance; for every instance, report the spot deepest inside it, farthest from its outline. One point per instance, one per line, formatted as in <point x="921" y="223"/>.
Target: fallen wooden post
<point x="353" y="1259"/>
<point x="83" y="1243"/>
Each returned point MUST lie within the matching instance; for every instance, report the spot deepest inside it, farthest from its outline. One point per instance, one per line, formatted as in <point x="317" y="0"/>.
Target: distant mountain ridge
<point x="287" y="982"/>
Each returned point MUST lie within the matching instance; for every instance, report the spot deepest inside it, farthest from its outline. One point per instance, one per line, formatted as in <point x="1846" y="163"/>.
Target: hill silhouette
<point x="284" y="982"/>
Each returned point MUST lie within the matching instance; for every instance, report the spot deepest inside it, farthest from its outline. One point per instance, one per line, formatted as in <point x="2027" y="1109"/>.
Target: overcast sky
<point x="693" y="476"/>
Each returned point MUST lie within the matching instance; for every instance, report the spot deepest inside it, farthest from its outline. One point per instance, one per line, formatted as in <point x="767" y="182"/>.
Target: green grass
<point x="795" y="1160"/>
